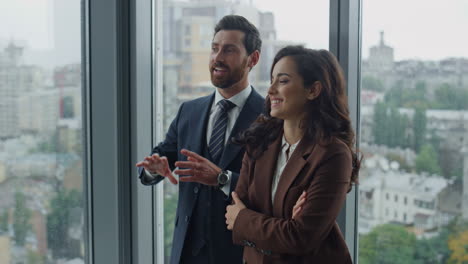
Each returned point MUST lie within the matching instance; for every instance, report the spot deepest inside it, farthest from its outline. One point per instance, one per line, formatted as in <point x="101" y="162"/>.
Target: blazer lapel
<point x="248" y="114"/>
<point x="264" y="169"/>
<point x="198" y="133"/>
<point x="291" y="171"/>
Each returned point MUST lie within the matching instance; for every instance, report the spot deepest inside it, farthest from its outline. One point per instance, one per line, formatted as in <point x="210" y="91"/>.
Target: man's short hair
<point x="252" y="41"/>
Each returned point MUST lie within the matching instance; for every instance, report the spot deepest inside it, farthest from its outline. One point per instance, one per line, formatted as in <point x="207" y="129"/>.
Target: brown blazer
<point x="268" y="233"/>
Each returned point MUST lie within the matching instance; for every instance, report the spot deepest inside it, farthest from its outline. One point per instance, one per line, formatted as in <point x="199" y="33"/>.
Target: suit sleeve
<point x="325" y="196"/>
<point x="167" y="148"/>
<point x="242" y="187"/>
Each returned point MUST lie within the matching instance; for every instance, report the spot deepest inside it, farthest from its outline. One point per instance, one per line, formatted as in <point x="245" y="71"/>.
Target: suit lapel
<point x="264" y="169"/>
<point x="248" y="114"/>
<point x="297" y="161"/>
<point x="198" y="122"/>
<point x="198" y="132"/>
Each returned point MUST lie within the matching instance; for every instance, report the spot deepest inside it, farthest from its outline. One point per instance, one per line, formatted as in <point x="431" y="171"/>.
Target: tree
<point x="432" y="251"/>
<point x="372" y="83"/>
<point x="448" y="97"/>
<point x="458" y="244"/>
<point x="4" y="221"/>
<point x="387" y="244"/>
<point x="419" y="128"/>
<point x="34" y="258"/>
<point x="427" y="160"/>
<point x="170" y="207"/>
<point x="59" y="222"/>
<point x="21" y="218"/>
<point x="389" y="126"/>
<point x="396" y="94"/>
<point x="378" y="126"/>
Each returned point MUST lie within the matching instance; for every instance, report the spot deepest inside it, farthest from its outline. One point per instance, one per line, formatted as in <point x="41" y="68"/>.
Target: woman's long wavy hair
<point x="327" y="115"/>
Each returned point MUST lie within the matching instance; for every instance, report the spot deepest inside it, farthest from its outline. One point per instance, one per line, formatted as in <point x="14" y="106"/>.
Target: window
<point x="414" y="102"/>
<point x="42" y="190"/>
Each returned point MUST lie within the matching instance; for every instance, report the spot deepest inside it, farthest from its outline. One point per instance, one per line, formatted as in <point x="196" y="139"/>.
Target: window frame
<point x="123" y="75"/>
<point x="345" y="43"/>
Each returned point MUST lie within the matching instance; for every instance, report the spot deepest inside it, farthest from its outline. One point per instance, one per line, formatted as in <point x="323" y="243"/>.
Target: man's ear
<point x="314" y="90"/>
<point x="253" y="59"/>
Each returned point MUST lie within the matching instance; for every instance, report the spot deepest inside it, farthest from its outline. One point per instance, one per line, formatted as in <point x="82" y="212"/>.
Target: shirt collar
<point x="285" y="145"/>
<point x="238" y="99"/>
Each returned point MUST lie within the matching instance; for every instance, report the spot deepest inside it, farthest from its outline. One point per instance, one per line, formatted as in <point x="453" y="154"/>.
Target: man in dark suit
<point x="198" y="147"/>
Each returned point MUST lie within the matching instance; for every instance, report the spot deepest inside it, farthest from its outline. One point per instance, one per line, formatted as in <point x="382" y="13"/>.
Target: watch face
<point x="222" y="178"/>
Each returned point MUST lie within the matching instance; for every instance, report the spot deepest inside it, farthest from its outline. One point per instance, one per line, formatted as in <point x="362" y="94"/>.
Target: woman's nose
<point x="272" y="89"/>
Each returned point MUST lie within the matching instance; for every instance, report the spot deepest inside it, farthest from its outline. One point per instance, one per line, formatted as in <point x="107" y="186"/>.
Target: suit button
<point x="195" y="189"/>
<point x="186" y="218"/>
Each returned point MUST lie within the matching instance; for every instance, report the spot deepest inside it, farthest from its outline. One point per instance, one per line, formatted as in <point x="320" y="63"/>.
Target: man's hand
<point x="298" y="206"/>
<point x="232" y="211"/>
<point x="159" y="165"/>
<point x="198" y="169"/>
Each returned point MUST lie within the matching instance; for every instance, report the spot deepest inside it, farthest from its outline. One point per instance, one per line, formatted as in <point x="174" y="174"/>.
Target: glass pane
<point x="41" y="147"/>
<point x="414" y="132"/>
<point x="188" y="28"/>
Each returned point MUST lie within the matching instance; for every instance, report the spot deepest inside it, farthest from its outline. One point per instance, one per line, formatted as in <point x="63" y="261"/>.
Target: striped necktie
<point x="218" y="133"/>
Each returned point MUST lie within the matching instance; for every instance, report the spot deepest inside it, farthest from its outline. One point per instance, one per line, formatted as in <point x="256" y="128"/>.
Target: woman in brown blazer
<point x="302" y="145"/>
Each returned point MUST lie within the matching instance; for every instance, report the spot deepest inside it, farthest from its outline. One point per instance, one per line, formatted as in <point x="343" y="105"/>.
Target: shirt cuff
<point x="150" y="175"/>
<point x="154" y="175"/>
<point x="227" y="187"/>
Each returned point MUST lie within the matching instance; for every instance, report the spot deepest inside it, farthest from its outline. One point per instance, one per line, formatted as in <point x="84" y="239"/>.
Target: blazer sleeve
<point x="242" y="187"/>
<point x="325" y="196"/>
<point x="167" y="148"/>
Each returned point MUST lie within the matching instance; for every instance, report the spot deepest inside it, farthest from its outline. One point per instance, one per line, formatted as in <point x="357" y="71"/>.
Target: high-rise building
<point x="17" y="79"/>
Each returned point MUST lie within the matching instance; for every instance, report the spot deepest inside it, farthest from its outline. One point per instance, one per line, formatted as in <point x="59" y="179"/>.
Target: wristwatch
<point x="223" y="178"/>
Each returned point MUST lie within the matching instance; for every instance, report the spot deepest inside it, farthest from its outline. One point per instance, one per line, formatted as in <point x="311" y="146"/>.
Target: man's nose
<point x="218" y="56"/>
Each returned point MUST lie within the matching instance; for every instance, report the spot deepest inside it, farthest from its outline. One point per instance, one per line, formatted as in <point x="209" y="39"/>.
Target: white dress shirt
<point x="284" y="155"/>
<point x="239" y="100"/>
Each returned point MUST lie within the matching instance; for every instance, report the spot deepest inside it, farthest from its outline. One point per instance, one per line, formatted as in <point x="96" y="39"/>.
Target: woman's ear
<point x="314" y="90"/>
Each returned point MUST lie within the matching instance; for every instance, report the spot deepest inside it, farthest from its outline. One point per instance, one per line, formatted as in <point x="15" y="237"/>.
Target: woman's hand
<point x="298" y="206"/>
<point x="233" y="210"/>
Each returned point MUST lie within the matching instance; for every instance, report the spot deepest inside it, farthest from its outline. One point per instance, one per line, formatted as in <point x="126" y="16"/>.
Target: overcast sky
<point x="425" y="29"/>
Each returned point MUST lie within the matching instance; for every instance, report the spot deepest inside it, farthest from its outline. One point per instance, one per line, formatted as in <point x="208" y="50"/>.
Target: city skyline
<point x="424" y="35"/>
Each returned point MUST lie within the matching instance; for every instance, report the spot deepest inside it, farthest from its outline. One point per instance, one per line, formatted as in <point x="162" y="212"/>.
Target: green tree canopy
<point x="371" y="83"/>
<point x="4" y="221"/>
<point x="419" y="128"/>
<point x="449" y="97"/>
<point x="59" y="221"/>
<point x="427" y="160"/>
<point x="387" y="244"/>
<point x="21" y="219"/>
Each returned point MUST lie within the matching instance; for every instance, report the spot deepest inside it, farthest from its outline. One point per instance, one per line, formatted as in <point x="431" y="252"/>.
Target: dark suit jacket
<point x="188" y="130"/>
<point x="268" y="232"/>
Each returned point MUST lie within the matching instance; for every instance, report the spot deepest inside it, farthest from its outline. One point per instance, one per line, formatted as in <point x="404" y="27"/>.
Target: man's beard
<point x="231" y="78"/>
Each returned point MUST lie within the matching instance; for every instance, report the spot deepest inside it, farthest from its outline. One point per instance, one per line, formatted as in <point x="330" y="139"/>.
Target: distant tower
<point x="381" y="56"/>
<point x="13" y="54"/>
